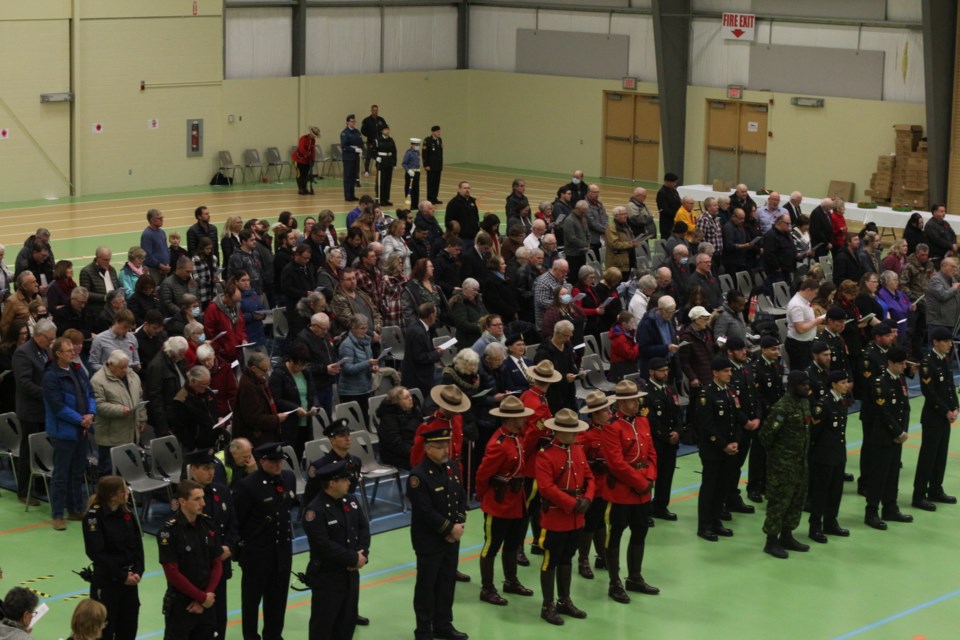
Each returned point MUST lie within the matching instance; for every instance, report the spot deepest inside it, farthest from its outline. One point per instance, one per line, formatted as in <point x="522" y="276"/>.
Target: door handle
<point x="620" y="138"/>
<point x="638" y="140"/>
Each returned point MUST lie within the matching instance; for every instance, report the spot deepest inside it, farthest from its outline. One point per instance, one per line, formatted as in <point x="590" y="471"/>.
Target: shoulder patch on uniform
<point x="414" y="482"/>
<point x="310" y="515"/>
<point x="818" y="410"/>
<point x="703" y="400"/>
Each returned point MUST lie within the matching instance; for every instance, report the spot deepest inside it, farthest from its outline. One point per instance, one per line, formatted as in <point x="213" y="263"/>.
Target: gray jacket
<point x="597" y="221"/>
<point x="943" y="301"/>
<point x="729" y="323"/>
<point x="576" y="239"/>
<point x="29" y="361"/>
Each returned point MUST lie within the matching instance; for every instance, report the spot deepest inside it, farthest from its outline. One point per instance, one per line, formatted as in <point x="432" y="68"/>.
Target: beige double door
<point x="631" y="137"/>
<point x="737" y="142"/>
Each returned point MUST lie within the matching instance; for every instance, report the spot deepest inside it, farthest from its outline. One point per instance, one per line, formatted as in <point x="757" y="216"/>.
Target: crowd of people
<point x="175" y="344"/>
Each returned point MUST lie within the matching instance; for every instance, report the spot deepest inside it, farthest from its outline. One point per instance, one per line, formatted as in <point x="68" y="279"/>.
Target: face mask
<point x="576" y="181"/>
<point x="684" y="260"/>
<point x="196" y="312"/>
<point x="201" y="339"/>
<point x="565" y="299"/>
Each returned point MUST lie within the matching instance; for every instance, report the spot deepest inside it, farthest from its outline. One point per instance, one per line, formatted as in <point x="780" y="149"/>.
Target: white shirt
<point x="107" y="280"/>
<point x="799" y="310"/>
<point x="638" y="304"/>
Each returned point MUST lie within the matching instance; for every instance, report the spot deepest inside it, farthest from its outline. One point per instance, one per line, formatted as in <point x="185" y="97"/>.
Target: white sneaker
<point x="366" y="174"/>
<point x="406" y="201"/>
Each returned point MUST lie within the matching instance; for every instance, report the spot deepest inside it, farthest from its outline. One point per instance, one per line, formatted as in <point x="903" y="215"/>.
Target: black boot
<point x="600" y="547"/>
<point x="510" y="582"/>
<point x="816" y="532"/>
<point x="787" y="541"/>
<point x="522" y="558"/>
<point x="583" y="563"/>
<point x="488" y="592"/>
<point x="549" y="609"/>
<point x="616" y="590"/>
<point x="564" y="604"/>
<point x="833" y="528"/>
<point x="635" y="581"/>
<point x="773" y="548"/>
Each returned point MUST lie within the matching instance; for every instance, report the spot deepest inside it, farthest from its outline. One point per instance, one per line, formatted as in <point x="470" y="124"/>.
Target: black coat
<point x="464" y="210"/>
<point x="263" y="505"/>
<point x="821" y="231"/>
<point x="846" y="266"/>
<point x="285" y="392"/>
<point x="29" y="362"/>
<point x="500" y="297"/>
<point x="322" y="353"/>
<point x="296" y="282"/>
<point x="192" y="417"/>
<point x="473" y="264"/>
<point x="396" y="431"/>
<point x="420" y="358"/>
<point x="161" y="384"/>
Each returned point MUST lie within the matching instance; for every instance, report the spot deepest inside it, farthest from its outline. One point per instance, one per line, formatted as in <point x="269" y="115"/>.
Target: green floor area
<point x="899" y="584"/>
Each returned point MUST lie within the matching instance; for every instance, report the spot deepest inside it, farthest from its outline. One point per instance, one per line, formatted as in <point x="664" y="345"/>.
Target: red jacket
<point x="216" y="321"/>
<point x="592" y="442"/>
<point x="563" y="475"/>
<point x="535" y="432"/>
<point x="306" y="151"/>
<point x="631" y="460"/>
<point x="504" y="459"/>
<point x="437" y="421"/>
<point x="623" y="348"/>
<point x="839" y="225"/>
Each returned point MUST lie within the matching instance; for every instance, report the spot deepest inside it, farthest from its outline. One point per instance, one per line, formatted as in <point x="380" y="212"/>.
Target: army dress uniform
<point x="939" y="398"/>
<point x="663" y="413"/>
<point x="873" y="363"/>
<point x="720" y="424"/>
<point x="190" y="556"/>
<point x="828" y="459"/>
<point x="769" y="383"/>
<point x="386" y="150"/>
<point x="839" y="353"/>
<point x="438" y="502"/>
<point x="432" y="154"/>
<point x="819" y="386"/>
<point x="337" y="532"/>
<point x="114" y="545"/>
<point x="881" y="460"/>
<point x="744" y="383"/>
<point x="536" y="436"/>
<point x="263" y="503"/>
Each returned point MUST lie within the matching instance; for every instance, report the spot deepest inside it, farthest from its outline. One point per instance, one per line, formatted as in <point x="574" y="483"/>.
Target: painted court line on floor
<point x="897" y="616"/>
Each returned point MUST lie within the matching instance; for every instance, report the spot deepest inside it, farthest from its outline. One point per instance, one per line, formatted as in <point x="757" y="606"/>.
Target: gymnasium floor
<point x="898" y="584"/>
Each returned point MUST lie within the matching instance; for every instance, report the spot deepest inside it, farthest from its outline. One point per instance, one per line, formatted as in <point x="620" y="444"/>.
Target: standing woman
<point x="359" y="365"/>
<point x="112" y="541"/>
<point x="621" y="247"/>
<point x="562" y="308"/>
<point x="913" y="232"/>
<point x="393" y="282"/>
<point x="206" y="271"/>
<point x="868" y="302"/>
<point x="58" y="294"/>
<point x="839" y="225"/>
<point x="491" y="224"/>
<point x="895" y="303"/>
<point x="589" y="305"/>
<point x="230" y="240"/>
<point x="421" y="289"/>
<point x="132" y="270"/>
<point x="559" y="350"/>
<point x="394" y="243"/>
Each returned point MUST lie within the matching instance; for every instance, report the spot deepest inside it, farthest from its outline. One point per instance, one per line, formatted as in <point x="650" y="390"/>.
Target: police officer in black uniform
<point x="190" y="552"/>
<point x="768" y="375"/>
<point x="218" y="506"/>
<point x="874" y="362"/>
<point x="663" y="403"/>
<point x="745" y="385"/>
<point x="438" y="507"/>
<point x="883" y="438"/>
<point x="114" y="544"/>
<point x="339" y="538"/>
<point x="338" y="432"/>
<point x="263" y="501"/>
<point x="828" y="458"/>
<point x="819" y="370"/>
<point x="386" y="150"/>
<point x="432" y="156"/>
<point x="939" y="411"/>
<point x="718" y="418"/>
<point x="370" y="127"/>
<point x="839" y="353"/>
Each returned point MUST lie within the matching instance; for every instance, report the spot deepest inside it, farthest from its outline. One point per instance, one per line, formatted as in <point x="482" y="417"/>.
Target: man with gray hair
<point x="646" y="286"/>
<point x="194" y="413"/>
<point x="546" y="284"/>
<point x="597" y="219"/>
<point x="914" y="278"/>
<point x="100" y="278"/>
<point x="235" y="462"/>
<point x="17" y="306"/>
<point x="709" y="225"/>
<point x="537" y="231"/>
<point x="821" y="230"/>
<point x="576" y="236"/>
<point x="943" y="297"/>
<point x="177" y="285"/>
<point x="548" y="245"/>
<point x="165" y="376"/>
<point x="324" y="360"/>
<point x="153" y="240"/>
<point x="75" y="315"/>
<point x="118" y="337"/>
<point x="657" y="334"/>
<point x="639" y="216"/>
<point x="768" y="213"/>
<point x="120" y="417"/>
<point x="28" y="362"/>
<point x="794" y="207"/>
<point x="42" y="236"/>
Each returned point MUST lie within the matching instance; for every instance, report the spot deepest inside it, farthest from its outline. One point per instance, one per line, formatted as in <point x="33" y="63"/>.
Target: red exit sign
<point x="739" y="26"/>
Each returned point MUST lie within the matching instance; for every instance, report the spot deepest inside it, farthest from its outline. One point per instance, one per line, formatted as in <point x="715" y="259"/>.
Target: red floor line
<point x="25" y="528"/>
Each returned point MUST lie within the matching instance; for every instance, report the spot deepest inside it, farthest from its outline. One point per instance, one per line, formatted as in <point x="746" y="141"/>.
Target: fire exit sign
<point x="739" y="26"/>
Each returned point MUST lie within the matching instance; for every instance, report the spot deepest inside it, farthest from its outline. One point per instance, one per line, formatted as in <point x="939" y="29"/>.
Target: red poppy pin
<point x="279" y="489"/>
<point x="216" y="498"/>
<point x="346" y="508"/>
<point x="127" y="517"/>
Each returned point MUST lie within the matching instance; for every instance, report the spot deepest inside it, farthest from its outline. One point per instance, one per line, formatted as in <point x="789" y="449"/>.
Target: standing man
<point x="438" y="506"/>
<point x="432" y="154"/>
<point x="938" y="234"/>
<point x="885" y="434"/>
<point x="576" y="234"/>
<point x="351" y="148"/>
<point x="338" y="433"/>
<point x="821" y="229"/>
<point x="709" y="225"/>
<point x="640" y="219"/>
<point x="914" y="279"/>
<point x="597" y="219"/>
<point x="29" y="361"/>
<point x="218" y="508"/>
<point x="304" y="156"/>
<point x="828" y="458"/>
<point x="203" y="228"/>
<point x="939" y="412"/>
<point x="631" y="472"/>
<point x="819" y="371"/>
<point x="99" y="278"/>
<point x="386" y="150"/>
<point x="839" y="353"/>
<point x="463" y="209"/>
<point x="339" y="537"/>
<point x="786" y="437"/>
<point x="794" y="207"/>
<point x="768" y="213"/>
<point x="577" y="186"/>
<point x="153" y="240"/>
<point x="662" y="404"/>
<point x="418" y="369"/>
<point x="768" y="374"/>
<point x="371" y="127"/>
<point x="668" y="202"/>
<point x="745" y="387"/>
<point x="264" y="500"/>
<point x="596" y="408"/>
<point x="500" y="491"/>
<point x="190" y="551"/>
<point x="411" y="171"/>
<point x="517" y="200"/>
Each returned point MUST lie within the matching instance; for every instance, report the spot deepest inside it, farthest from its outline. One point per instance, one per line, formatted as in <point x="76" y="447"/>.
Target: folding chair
<point x="447" y="356"/>
<point x="275" y="160"/>
<point x="10" y="440"/>
<point x="334" y="160"/>
<point x="605" y="349"/>
<point x="531" y="351"/>
<point x="595" y="378"/>
<point x="354" y="416"/>
<point x="290" y="462"/>
<point x="726" y="282"/>
<point x="41" y="462"/>
<point x="416" y="393"/>
<point x="375" y="403"/>
<point x="744" y="283"/>
<point x="392" y="337"/>
<point x="315" y="449"/>
<point x="251" y="160"/>
<point x="226" y="163"/>
<point x="372" y="469"/>
<point x="781" y="293"/>
<point x="590" y="346"/>
<point x="128" y="464"/>
<point x="166" y="459"/>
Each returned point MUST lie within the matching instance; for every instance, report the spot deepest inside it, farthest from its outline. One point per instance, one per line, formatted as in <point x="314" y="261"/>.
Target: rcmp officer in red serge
<point x="264" y="500"/>
<point x="663" y="404"/>
<point x="596" y="408"/>
<point x="438" y="507"/>
<point x="500" y="490"/>
<point x="631" y="472"/>
<point x="218" y="506"/>
<point x="338" y="432"/>
<point x="828" y="458"/>
<point x="718" y="419"/>
<point x="536" y="435"/>
<point x="566" y="487"/>
<point x="339" y="537"/>
<point x="190" y="556"/>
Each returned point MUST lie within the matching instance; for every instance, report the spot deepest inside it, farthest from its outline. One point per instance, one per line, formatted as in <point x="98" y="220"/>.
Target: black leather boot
<point x="616" y="590"/>
<point x="488" y="592"/>
<point x="510" y="582"/>
<point x="564" y="604"/>
<point x="773" y="548"/>
<point x="788" y="542"/>
<point x="635" y="581"/>
<point x="583" y="562"/>
<point x="549" y="609"/>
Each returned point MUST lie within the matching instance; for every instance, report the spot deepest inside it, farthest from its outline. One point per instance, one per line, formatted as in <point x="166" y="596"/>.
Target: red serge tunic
<point x="535" y="434"/>
<point x="631" y="460"/>
<point x="502" y="463"/>
<point x="563" y="475"/>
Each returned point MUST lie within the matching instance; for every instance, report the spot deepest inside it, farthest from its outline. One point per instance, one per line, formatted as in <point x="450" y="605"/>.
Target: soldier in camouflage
<point x="786" y="437"/>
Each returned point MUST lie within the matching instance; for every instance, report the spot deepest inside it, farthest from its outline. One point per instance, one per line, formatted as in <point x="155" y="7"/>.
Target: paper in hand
<point x="449" y="343"/>
<point x="223" y="421"/>
<point x="481" y="393"/>
<point x="142" y="403"/>
<point x="869" y="316"/>
<point x="683" y="344"/>
<point x="606" y="302"/>
<point x="386" y="352"/>
<point x="580" y="296"/>
<point x="218" y="336"/>
<point x="41" y="610"/>
<point x="582" y="345"/>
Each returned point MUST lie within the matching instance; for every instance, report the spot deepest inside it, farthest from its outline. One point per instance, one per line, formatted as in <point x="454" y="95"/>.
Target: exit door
<point x="737" y="143"/>
<point x="631" y="141"/>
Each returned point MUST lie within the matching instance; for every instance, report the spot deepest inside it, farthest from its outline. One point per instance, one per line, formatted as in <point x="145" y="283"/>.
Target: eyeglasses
<point x="496" y="324"/>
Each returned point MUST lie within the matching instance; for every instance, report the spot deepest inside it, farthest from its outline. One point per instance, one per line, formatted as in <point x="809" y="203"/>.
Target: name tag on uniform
<point x="439" y="489"/>
<point x="329" y="522"/>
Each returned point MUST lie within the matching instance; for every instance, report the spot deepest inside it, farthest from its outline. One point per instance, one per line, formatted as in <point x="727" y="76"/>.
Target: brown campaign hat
<point x="450" y="397"/>
<point x="544" y="372"/>
<point x="595" y="401"/>
<point x="626" y="390"/>
<point x="511" y="407"/>
<point x="567" y="420"/>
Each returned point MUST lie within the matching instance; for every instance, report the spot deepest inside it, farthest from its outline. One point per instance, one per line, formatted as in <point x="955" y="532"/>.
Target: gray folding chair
<point x="446" y="358"/>
<point x="252" y="161"/>
<point x="744" y="283"/>
<point x="416" y="393"/>
<point x="10" y="440"/>
<point x="320" y="422"/>
<point x="292" y="463"/>
<point x="333" y="162"/>
<point x="361" y="445"/>
<point x="726" y="282"/>
<point x="595" y="378"/>
<point x="128" y="464"/>
<point x="531" y="351"/>
<point x="351" y="412"/>
<point x="166" y="459"/>
<point x="315" y="449"/>
<point x="605" y="349"/>
<point x="392" y="337"/>
<point x="276" y="161"/>
<point x="781" y="293"/>
<point x="375" y="403"/>
<point x="226" y="163"/>
<point x="41" y="462"/>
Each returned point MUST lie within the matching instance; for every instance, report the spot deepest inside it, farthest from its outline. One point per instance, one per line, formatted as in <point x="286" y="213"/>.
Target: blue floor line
<point x="897" y="616"/>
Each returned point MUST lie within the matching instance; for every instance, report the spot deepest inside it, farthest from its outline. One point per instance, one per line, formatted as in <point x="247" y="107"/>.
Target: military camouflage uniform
<point x="786" y="437"/>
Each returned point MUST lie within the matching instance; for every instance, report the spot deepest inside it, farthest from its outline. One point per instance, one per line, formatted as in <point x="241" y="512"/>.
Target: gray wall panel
<point x="851" y="9"/>
<point x="567" y="53"/>
<point x="816" y="71"/>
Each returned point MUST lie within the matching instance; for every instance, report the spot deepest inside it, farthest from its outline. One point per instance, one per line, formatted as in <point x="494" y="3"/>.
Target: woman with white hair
<point x="559" y="350"/>
<point x="165" y="376"/>
<point x="223" y="380"/>
<point x="118" y="392"/>
<point x="464" y="373"/>
<point x="466" y="309"/>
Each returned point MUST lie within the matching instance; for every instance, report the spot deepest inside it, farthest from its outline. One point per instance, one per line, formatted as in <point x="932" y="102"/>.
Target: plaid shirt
<point x="372" y="285"/>
<point x="543" y="290"/>
<point x="205" y="276"/>
<point x="392" y="309"/>
<point x="710" y="227"/>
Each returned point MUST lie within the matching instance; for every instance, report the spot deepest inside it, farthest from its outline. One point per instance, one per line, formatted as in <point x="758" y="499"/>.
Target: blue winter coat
<point x="356" y="377"/>
<point x="60" y="401"/>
